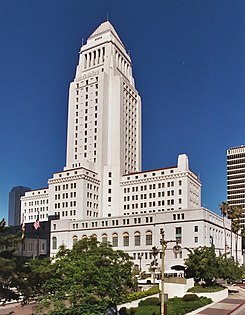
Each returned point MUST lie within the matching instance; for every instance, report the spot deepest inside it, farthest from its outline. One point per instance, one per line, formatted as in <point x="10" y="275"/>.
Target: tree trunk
<point x="224" y="233"/>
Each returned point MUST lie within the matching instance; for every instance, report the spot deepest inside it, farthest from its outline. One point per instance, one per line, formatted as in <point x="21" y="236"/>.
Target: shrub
<point x="150" y="301"/>
<point x="132" y="310"/>
<point x="148" y="310"/>
<point x="139" y="295"/>
<point x="123" y="311"/>
<point x="190" y="297"/>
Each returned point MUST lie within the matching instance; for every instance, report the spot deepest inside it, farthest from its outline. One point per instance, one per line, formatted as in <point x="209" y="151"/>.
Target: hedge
<point x="139" y="295"/>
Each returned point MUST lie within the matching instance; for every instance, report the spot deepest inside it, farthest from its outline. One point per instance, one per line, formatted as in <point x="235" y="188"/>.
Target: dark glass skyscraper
<point x="14" y="211"/>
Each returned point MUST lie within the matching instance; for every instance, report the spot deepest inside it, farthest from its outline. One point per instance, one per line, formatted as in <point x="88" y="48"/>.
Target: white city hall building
<point x="102" y="190"/>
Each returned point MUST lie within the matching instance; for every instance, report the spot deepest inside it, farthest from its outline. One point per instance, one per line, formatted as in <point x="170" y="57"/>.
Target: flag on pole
<point x="23" y="230"/>
<point x="37" y="223"/>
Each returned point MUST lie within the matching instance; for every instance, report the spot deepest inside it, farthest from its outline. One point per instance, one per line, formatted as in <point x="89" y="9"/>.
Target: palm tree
<point x="234" y="214"/>
<point x="243" y="239"/>
<point x="224" y="211"/>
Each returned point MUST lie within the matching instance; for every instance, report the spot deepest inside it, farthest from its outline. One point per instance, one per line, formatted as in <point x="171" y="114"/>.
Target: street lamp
<point x="176" y="249"/>
<point x="140" y="259"/>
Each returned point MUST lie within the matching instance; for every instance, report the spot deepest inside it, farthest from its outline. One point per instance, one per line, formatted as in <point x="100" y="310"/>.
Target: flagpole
<point x="37" y="226"/>
<point x="38" y="237"/>
<point x="22" y="237"/>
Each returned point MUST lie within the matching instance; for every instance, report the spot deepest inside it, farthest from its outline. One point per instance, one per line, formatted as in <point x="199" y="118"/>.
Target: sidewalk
<point x="233" y="305"/>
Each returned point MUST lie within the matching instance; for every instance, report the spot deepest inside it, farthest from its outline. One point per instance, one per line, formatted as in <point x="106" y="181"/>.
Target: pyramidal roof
<point x="106" y="27"/>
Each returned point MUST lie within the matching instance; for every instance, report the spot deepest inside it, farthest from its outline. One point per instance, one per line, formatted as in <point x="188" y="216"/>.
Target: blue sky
<point x="189" y="67"/>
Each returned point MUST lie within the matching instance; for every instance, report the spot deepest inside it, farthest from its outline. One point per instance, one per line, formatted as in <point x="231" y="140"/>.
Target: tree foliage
<point x="11" y="273"/>
<point x="87" y="278"/>
<point x="203" y="264"/>
<point x="228" y="269"/>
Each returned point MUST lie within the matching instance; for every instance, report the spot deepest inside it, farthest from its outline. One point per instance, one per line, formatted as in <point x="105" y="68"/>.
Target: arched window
<point x="94" y="236"/>
<point x="137" y="239"/>
<point x="148" y="238"/>
<point x="54" y="242"/>
<point x="104" y="238"/>
<point x="74" y="239"/>
<point x="84" y="236"/>
<point x="125" y="239"/>
<point x="115" y="240"/>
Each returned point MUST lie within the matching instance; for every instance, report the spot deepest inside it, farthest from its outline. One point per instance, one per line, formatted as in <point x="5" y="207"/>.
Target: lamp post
<point x="176" y="249"/>
<point x="140" y="259"/>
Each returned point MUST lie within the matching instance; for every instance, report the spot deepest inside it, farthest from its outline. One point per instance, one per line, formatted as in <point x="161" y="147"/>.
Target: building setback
<point x="102" y="190"/>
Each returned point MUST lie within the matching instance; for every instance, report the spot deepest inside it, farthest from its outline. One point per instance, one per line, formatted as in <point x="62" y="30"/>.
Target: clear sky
<point x="189" y="67"/>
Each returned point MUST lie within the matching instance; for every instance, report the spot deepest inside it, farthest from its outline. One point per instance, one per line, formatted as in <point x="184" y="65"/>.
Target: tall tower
<point x="236" y="178"/>
<point x="104" y="116"/>
<point x="104" y="122"/>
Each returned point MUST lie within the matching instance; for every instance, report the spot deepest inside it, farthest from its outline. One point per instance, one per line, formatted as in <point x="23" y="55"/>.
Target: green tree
<point x="12" y="277"/>
<point x="87" y="278"/>
<point x="228" y="269"/>
<point x="202" y="264"/>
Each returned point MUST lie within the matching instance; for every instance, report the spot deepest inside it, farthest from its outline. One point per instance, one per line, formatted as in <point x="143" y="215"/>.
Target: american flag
<point x="23" y="230"/>
<point x="37" y="223"/>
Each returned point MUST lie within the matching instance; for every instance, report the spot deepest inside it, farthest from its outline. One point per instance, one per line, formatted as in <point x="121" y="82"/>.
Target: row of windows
<point x="94" y="57"/>
<point x="115" y="222"/>
<point x="231" y="177"/>
<point x="37" y="202"/>
<point x="35" y="210"/>
<point x="66" y="213"/>
<point x="236" y="171"/>
<point x="114" y="240"/>
<point x="126" y="240"/>
<point x="65" y="204"/>
<point x="34" y="217"/>
<point x="129" y="90"/>
<point x="32" y="246"/>
<point x="90" y="214"/>
<point x="151" y="204"/>
<point x="235" y="161"/>
<point x="151" y="195"/>
<point x="92" y="196"/>
<point x="65" y="195"/>
<point x="235" y="167"/>
<point x="91" y="187"/>
<point x="233" y="182"/>
<point x="65" y="186"/>
<point x="92" y="205"/>
<point x="122" y="64"/>
<point x="150" y="186"/>
<point x="236" y="196"/>
<point x="231" y="188"/>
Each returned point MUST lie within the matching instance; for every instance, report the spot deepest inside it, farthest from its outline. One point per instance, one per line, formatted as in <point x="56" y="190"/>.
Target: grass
<point x="206" y="289"/>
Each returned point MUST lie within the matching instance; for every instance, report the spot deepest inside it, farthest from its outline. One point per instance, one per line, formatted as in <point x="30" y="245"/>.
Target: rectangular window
<point x="178" y="234"/>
